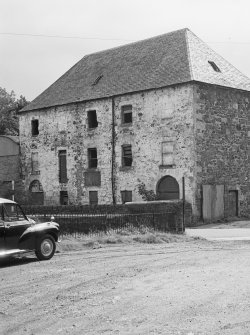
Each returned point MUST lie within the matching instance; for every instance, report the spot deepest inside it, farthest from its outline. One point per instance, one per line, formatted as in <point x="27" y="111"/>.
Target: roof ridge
<point x="167" y="59"/>
<point x="136" y="42"/>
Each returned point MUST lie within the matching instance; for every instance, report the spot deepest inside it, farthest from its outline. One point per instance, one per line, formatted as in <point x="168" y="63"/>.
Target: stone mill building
<point x="149" y="112"/>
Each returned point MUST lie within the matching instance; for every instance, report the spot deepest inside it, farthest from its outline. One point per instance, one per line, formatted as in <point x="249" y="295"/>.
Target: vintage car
<point x="20" y="234"/>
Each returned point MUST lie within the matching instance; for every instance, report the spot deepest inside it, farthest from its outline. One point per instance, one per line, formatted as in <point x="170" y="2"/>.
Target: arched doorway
<point x="36" y="193"/>
<point x="168" y="188"/>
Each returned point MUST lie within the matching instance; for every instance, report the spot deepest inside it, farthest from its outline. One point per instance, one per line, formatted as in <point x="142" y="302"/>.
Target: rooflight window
<point x="214" y="66"/>
<point x="97" y="80"/>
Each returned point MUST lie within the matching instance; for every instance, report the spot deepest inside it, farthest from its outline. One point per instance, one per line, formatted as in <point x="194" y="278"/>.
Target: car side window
<point x="12" y="213"/>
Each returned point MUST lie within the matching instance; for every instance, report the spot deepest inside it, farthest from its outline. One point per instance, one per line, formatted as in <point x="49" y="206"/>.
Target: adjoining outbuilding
<point x="10" y="168"/>
<point x="150" y="112"/>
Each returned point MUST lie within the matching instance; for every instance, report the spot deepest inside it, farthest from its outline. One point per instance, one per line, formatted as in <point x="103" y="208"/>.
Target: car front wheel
<point x="46" y="247"/>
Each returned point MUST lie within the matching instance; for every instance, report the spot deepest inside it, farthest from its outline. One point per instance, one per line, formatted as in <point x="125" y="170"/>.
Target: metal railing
<point x="95" y="221"/>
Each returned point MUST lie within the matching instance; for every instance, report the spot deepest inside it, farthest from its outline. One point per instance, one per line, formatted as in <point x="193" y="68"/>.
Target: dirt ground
<point x="189" y="288"/>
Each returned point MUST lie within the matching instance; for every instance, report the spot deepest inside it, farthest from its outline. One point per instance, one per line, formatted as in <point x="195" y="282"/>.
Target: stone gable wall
<point x="222" y="142"/>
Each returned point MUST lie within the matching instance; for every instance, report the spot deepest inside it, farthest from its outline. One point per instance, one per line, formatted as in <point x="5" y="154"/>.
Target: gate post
<point x="183" y="205"/>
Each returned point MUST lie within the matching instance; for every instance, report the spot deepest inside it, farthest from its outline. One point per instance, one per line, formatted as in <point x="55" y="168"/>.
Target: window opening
<point x="34" y="127"/>
<point x="126" y="196"/>
<point x="127" y="114"/>
<point x="64" y="199"/>
<point x="127" y="155"/>
<point x="92" y="119"/>
<point x="92" y="158"/>
<point x="167" y="149"/>
<point x="93" y="198"/>
<point x="35" y="187"/>
<point x="62" y="166"/>
<point x="214" y="66"/>
<point x="34" y="162"/>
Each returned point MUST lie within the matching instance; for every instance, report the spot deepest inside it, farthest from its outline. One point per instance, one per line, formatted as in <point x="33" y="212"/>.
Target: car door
<point x="2" y="229"/>
<point x="15" y="224"/>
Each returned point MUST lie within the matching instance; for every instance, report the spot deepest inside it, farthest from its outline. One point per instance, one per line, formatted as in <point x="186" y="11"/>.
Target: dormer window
<point x="214" y="66"/>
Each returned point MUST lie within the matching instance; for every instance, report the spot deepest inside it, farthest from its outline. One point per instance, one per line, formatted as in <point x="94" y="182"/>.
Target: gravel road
<point x="189" y="288"/>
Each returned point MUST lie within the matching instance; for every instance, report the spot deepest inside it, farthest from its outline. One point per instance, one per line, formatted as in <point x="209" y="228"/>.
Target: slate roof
<point x="161" y="61"/>
<point x="12" y="137"/>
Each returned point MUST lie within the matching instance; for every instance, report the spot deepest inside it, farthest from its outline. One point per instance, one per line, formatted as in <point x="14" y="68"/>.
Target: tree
<point x="9" y="106"/>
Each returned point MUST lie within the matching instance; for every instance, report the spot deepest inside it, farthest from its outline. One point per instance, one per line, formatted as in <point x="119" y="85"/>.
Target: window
<point x="214" y="66"/>
<point x="13" y="213"/>
<point x="127" y="114"/>
<point x="36" y="187"/>
<point x="97" y="80"/>
<point x="93" y="198"/>
<point x="167" y="153"/>
<point x="92" y="119"/>
<point x="34" y="127"/>
<point x="64" y="199"/>
<point x="62" y="166"/>
<point x="126" y="196"/>
<point x="36" y="194"/>
<point x="126" y="155"/>
<point x="34" y="163"/>
<point x="92" y="158"/>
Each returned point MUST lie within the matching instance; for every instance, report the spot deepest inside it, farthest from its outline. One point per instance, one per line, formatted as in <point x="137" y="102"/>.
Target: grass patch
<point x="128" y="236"/>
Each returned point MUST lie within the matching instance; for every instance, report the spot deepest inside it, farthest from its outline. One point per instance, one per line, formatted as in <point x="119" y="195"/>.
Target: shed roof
<point x="173" y="58"/>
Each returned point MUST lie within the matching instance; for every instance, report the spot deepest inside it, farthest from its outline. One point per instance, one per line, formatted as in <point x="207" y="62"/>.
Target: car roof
<point x="6" y="201"/>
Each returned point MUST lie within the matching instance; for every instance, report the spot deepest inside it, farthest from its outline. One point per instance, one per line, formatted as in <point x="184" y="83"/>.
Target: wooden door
<point x="212" y="202"/>
<point x="233" y="203"/>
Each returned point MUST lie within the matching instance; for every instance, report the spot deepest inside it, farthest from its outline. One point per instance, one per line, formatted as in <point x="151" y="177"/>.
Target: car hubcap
<point x="47" y="247"/>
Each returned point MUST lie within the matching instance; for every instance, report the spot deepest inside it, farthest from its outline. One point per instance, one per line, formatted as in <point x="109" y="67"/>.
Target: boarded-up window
<point x="92" y="178"/>
<point x="127" y="155"/>
<point x="93" y="198"/>
<point x="34" y="127"/>
<point x="126" y="196"/>
<point x="62" y="166"/>
<point x="92" y="158"/>
<point x="167" y="153"/>
<point x="127" y="114"/>
<point x="64" y="199"/>
<point x="92" y="119"/>
<point x="34" y="162"/>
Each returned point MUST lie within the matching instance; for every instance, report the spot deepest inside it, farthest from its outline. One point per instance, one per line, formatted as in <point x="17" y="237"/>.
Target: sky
<point x="41" y="39"/>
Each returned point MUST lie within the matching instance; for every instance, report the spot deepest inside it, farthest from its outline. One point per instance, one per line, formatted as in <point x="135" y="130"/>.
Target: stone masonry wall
<point x="9" y="168"/>
<point x="223" y="142"/>
<point x="65" y="128"/>
<point x="160" y="115"/>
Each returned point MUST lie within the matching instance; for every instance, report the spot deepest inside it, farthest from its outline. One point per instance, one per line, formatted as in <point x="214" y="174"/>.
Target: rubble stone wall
<point x="163" y="115"/>
<point x="222" y="127"/>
